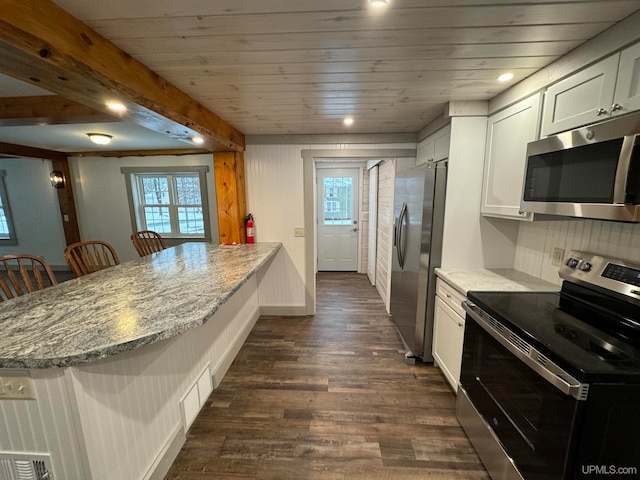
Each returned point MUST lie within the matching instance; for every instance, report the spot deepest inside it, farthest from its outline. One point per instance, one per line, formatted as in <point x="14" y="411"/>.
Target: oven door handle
<point x="525" y="352"/>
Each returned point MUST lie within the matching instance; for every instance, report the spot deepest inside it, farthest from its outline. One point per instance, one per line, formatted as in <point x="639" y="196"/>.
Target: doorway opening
<point x="362" y="158"/>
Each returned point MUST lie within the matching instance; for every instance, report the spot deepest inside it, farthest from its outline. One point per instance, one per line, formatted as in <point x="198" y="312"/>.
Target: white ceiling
<point x="301" y="66"/>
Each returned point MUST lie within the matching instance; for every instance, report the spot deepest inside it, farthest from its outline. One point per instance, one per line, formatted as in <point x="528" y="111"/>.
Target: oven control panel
<point x="615" y="275"/>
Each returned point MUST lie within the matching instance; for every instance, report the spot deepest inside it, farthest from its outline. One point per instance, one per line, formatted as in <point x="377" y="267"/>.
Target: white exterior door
<point x="338" y="219"/>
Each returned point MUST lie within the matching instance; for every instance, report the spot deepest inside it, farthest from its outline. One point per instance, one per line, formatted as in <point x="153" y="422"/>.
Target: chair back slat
<point x="24" y="273"/>
<point x="147" y="242"/>
<point x="90" y="256"/>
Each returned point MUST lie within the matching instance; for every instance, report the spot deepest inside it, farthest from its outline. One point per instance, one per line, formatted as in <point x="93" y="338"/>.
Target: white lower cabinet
<point x="448" y="332"/>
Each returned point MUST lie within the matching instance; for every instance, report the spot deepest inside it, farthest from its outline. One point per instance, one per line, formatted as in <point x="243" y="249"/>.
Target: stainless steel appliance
<point x="591" y="172"/>
<point x="417" y="250"/>
<point x="550" y="383"/>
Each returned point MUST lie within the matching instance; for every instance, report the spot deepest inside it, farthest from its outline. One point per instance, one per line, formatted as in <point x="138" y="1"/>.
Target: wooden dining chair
<point x="90" y="256"/>
<point x="22" y="274"/>
<point x="147" y="242"/>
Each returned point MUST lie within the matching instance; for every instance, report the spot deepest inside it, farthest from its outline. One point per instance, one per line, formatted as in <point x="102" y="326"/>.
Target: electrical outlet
<point x="558" y="257"/>
<point x="298" y="231"/>
<point x="16" y="385"/>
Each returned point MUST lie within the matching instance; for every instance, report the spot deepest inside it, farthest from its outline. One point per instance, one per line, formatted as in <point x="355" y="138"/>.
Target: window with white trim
<point x="7" y="230"/>
<point x="170" y="201"/>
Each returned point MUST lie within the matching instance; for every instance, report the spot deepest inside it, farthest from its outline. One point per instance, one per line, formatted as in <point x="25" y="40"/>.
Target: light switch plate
<point x="298" y="231"/>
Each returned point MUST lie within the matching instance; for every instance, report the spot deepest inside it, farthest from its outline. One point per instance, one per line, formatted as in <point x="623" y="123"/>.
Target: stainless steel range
<point x="550" y="382"/>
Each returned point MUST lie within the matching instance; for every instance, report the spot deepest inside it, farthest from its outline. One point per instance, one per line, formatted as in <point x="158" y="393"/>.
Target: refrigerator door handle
<point x="401" y="234"/>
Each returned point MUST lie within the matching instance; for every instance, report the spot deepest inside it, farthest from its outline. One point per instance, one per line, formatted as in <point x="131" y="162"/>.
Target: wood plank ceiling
<point x="301" y="66"/>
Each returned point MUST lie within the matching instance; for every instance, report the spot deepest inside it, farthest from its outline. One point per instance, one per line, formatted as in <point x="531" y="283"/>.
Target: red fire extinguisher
<point x="251" y="236"/>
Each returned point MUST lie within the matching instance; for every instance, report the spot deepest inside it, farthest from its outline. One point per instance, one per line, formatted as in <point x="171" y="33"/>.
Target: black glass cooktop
<point x="591" y="343"/>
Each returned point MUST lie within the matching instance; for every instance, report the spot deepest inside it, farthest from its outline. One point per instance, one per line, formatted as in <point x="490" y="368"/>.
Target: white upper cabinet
<point x="435" y="147"/>
<point x="627" y="95"/>
<point x="508" y="133"/>
<point x="610" y="87"/>
<point x="583" y="98"/>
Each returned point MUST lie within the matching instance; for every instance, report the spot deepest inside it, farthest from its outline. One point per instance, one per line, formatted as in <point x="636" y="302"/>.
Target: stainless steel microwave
<point x="591" y="172"/>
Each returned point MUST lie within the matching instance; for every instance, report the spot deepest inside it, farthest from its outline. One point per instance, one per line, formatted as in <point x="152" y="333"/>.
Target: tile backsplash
<point x="537" y="239"/>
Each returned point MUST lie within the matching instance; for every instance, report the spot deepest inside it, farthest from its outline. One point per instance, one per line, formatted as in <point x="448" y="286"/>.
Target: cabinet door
<point x="583" y="98"/>
<point x="508" y="133"/>
<point x="448" y="335"/>
<point x="441" y="141"/>
<point x="425" y="151"/>
<point x="627" y="96"/>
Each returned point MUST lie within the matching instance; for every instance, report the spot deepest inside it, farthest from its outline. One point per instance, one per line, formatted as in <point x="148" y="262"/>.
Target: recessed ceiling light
<point x="116" y="106"/>
<point x="100" y="138"/>
<point x="378" y="3"/>
<point x="505" y="77"/>
<point x="198" y="140"/>
<point x="348" y="121"/>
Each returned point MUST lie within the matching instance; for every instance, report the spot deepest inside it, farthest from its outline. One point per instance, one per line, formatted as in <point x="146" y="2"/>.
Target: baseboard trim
<point x="161" y="465"/>
<point x="220" y="369"/>
<point x="284" y="310"/>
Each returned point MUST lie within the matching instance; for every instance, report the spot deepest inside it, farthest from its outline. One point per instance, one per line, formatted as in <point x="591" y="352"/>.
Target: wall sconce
<point x="57" y="179"/>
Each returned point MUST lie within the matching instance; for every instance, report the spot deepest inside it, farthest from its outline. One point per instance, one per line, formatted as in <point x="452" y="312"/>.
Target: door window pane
<point x="338" y="194"/>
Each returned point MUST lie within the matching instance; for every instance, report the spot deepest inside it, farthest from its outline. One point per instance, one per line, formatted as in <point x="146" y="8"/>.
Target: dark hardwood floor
<point x="329" y="397"/>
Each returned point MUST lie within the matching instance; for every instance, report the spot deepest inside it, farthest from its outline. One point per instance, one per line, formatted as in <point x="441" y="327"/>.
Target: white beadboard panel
<point x="279" y="284"/>
<point x="116" y="417"/>
<point x="386" y="175"/>
<point x="364" y="221"/>
<point x="536" y="241"/>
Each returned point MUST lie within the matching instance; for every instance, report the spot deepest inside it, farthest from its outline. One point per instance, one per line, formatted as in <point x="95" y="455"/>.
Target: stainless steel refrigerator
<point x="417" y="250"/>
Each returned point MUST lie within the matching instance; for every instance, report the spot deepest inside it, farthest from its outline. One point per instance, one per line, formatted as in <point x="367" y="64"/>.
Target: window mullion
<point x="173" y="210"/>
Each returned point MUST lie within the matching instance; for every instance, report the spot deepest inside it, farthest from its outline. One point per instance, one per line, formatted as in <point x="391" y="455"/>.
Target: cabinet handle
<point x="460" y="324"/>
<point x="601" y="111"/>
<point x="615" y="107"/>
<point x="448" y="296"/>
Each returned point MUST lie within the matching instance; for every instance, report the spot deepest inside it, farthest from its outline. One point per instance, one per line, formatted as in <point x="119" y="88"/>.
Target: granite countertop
<point x="126" y="306"/>
<point x="502" y="279"/>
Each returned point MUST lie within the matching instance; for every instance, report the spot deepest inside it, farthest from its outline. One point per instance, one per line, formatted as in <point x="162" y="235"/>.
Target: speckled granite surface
<point x="506" y="280"/>
<point x="126" y="306"/>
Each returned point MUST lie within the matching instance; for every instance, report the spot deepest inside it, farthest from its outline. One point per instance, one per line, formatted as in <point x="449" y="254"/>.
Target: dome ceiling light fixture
<point x="100" y="138"/>
<point x="348" y="121"/>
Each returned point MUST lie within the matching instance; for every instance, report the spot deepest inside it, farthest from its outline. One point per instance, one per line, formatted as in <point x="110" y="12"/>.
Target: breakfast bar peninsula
<point x="102" y="375"/>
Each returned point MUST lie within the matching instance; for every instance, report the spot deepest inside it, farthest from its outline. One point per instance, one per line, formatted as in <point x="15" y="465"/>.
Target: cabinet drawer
<point x="451" y="296"/>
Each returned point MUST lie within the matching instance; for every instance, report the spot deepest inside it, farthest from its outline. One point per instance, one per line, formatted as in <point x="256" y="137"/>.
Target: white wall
<point x="36" y="213"/>
<point x="470" y="240"/>
<point x="101" y="196"/>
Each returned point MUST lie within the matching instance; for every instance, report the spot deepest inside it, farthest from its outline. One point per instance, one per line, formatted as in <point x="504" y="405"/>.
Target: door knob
<point x="355" y="229"/>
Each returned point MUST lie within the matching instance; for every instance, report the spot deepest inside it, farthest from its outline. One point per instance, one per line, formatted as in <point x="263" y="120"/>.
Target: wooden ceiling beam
<point x="31" y="152"/>
<point x="140" y="153"/>
<point x="42" y="44"/>
<point x="48" y="110"/>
